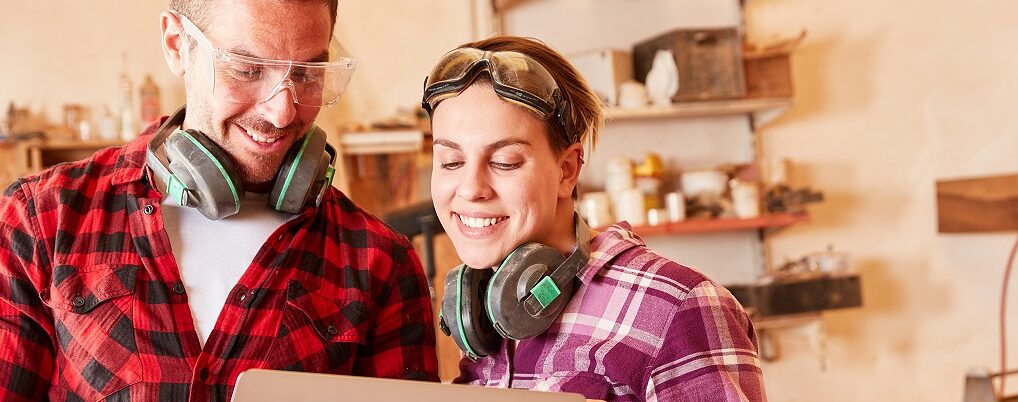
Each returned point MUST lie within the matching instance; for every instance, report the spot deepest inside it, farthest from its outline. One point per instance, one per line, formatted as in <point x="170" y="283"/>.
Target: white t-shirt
<point x="213" y="255"/>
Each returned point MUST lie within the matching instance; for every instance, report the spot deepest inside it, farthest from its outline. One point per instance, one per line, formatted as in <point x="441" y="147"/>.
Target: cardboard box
<point x="769" y="68"/>
<point x="709" y="61"/>
<point x="604" y="69"/>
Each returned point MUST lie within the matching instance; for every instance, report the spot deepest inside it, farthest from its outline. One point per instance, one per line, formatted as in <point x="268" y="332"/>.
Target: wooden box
<point x="769" y="69"/>
<point x="605" y="70"/>
<point x="769" y="76"/>
<point x="709" y="61"/>
<point x="800" y="296"/>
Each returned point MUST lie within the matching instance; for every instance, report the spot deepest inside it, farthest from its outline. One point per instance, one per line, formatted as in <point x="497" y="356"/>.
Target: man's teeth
<point x="478" y="223"/>
<point x="261" y="139"/>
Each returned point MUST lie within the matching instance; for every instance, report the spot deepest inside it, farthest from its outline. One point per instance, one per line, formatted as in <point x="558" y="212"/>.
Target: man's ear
<point x="172" y="42"/>
<point x="569" y="166"/>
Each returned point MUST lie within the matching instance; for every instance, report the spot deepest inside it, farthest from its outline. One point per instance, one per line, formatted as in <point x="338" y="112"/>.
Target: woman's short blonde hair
<point x="584" y="112"/>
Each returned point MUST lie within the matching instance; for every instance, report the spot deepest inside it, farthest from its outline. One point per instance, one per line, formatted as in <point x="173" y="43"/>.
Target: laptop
<point x="271" y="385"/>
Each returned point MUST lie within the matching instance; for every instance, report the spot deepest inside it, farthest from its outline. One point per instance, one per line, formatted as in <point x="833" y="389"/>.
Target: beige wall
<point x="891" y="97"/>
<point x="57" y="52"/>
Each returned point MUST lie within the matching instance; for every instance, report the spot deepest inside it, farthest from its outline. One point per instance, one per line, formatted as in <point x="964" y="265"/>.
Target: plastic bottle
<point x="127" y="129"/>
<point x="107" y="125"/>
<point x="149" y="96"/>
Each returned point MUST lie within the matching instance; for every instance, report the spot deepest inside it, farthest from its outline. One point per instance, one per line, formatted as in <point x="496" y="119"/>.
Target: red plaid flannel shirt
<point x="92" y="305"/>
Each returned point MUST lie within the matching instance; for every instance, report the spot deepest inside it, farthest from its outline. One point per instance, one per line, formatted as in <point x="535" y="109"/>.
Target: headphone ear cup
<point x="217" y="187"/>
<point x="463" y="311"/>
<point x="511" y="284"/>
<point x="298" y="177"/>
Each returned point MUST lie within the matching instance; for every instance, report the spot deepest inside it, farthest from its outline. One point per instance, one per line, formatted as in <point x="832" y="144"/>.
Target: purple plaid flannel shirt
<point x="639" y="328"/>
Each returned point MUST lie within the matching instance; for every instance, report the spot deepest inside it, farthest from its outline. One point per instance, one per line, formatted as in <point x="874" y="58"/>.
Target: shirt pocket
<point x="320" y="332"/>
<point x="93" y="311"/>
<point x="590" y="385"/>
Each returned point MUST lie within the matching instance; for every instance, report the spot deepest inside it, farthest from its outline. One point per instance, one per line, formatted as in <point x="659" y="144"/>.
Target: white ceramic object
<point x="704" y="182"/>
<point x="663" y="78"/>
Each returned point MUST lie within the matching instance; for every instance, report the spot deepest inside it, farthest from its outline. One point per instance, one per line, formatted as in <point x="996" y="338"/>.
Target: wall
<point x="891" y="96"/>
<point x="58" y="52"/>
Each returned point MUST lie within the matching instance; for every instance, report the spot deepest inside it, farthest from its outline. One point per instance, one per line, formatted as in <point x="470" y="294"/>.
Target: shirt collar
<point x="606" y="246"/>
<point x="131" y="164"/>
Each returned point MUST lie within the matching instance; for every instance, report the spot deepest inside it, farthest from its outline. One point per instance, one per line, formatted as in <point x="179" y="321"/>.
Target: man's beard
<point x="261" y="168"/>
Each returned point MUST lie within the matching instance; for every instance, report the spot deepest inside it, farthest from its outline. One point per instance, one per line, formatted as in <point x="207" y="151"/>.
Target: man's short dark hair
<point x="200" y="11"/>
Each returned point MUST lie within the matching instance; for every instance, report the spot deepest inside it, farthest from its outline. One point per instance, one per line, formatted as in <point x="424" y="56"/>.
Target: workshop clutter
<point x="644" y="192"/>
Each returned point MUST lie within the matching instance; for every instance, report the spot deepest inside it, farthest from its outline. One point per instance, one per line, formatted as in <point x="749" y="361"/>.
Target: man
<point x="131" y="276"/>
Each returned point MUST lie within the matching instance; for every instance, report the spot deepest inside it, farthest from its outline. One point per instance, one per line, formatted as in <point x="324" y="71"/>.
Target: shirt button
<point x="242" y="297"/>
<point x="149" y="210"/>
<point x="78" y="301"/>
<point x="204" y="374"/>
<point x="178" y="288"/>
<point x="332" y="330"/>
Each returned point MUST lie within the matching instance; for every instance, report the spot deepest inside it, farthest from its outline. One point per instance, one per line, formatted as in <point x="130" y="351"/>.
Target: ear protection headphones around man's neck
<point x="519" y="299"/>
<point x="200" y="174"/>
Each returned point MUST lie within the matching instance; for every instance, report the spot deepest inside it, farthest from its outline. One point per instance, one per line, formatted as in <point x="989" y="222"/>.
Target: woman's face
<point x="496" y="182"/>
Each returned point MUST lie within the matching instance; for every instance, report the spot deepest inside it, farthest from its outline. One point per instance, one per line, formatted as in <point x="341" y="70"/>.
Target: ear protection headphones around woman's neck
<point x="201" y="175"/>
<point x="518" y="300"/>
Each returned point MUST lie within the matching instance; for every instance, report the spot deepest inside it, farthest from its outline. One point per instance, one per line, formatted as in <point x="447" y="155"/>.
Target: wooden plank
<point x="723" y="225"/>
<point x="700" y="109"/>
<point x="501" y="6"/>
<point x="985" y="204"/>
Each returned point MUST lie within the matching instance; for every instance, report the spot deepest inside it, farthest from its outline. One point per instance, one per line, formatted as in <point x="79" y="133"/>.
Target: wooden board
<point x="691" y="226"/>
<point x="985" y="204"/>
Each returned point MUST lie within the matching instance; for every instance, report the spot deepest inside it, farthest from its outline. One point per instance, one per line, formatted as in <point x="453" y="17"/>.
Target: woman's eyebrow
<point x="490" y="147"/>
<point x="505" y="143"/>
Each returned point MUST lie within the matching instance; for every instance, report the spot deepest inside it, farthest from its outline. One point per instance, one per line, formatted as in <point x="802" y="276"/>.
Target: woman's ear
<point x="172" y="42"/>
<point x="569" y="165"/>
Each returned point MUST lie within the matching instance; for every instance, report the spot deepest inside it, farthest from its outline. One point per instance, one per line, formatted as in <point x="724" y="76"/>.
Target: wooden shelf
<point x="690" y="226"/>
<point x="702" y="108"/>
<point x="43" y="154"/>
<point x="78" y="145"/>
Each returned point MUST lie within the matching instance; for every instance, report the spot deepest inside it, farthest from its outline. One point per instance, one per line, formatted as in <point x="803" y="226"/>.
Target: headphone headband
<point x="198" y="173"/>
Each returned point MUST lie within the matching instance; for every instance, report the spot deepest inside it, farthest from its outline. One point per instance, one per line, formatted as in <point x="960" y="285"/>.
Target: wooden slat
<point x="700" y="109"/>
<point x="501" y="6"/>
<point x="985" y="204"/>
<point x="723" y="225"/>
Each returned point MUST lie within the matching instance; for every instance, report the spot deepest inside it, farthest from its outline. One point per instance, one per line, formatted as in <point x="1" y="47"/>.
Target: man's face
<point x="256" y="135"/>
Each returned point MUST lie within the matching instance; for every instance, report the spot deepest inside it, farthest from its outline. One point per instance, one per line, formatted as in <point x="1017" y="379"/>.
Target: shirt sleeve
<point x="402" y="342"/>
<point x="26" y="326"/>
<point x="709" y="352"/>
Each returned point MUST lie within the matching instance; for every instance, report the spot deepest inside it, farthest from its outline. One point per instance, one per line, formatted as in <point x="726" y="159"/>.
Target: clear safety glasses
<point x="246" y="79"/>
<point x="516" y="78"/>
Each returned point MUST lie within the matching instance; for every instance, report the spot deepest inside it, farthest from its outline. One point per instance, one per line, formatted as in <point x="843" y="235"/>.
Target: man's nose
<point x="280" y="108"/>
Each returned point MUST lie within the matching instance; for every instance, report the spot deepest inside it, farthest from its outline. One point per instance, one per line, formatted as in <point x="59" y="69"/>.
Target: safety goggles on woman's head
<point x="516" y="77"/>
<point x="248" y="79"/>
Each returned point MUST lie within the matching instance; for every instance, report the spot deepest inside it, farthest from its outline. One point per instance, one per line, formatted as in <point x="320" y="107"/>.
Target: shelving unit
<point x="702" y="109"/>
<point x="694" y="226"/>
<point x="44" y="154"/>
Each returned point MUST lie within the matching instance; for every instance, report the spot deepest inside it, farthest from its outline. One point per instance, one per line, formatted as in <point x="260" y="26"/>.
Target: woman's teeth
<point x="478" y="223"/>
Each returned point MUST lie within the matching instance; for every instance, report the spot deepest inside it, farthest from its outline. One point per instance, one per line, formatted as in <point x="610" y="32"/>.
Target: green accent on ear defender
<point x="459" y="313"/>
<point x="545" y="291"/>
<point x="330" y="172"/>
<point x="229" y="181"/>
<point x="489" y="309"/>
<point x="176" y="189"/>
<point x="293" y="168"/>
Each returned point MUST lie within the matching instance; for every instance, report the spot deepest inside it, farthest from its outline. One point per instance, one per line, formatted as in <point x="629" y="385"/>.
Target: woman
<point x="613" y="320"/>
